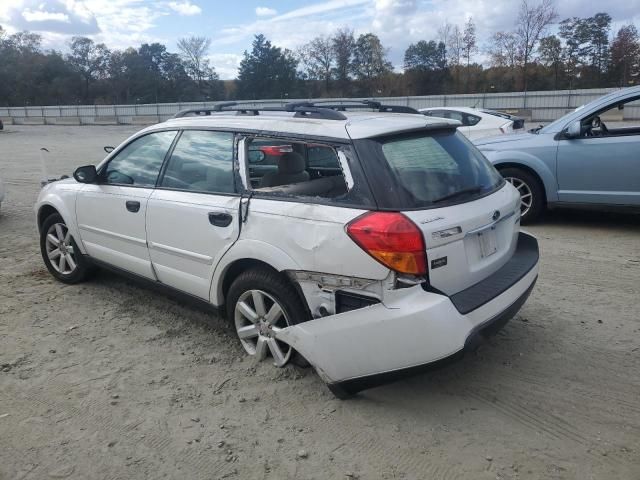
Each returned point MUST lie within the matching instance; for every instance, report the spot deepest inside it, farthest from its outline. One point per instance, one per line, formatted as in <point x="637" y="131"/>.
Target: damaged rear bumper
<point x="411" y="331"/>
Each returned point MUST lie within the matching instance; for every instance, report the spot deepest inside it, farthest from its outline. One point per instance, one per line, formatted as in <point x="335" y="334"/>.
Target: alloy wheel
<point x="60" y="249"/>
<point x="526" y="196"/>
<point x="258" y="318"/>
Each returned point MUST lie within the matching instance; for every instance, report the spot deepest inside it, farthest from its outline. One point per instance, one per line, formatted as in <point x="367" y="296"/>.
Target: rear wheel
<point x="260" y="303"/>
<point x="531" y="193"/>
<point x="60" y="252"/>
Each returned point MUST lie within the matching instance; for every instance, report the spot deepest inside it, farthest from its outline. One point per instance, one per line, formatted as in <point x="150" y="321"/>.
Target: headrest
<point x="291" y="162"/>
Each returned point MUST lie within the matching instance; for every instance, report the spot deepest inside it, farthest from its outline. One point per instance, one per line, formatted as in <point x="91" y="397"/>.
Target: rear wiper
<point x="466" y="191"/>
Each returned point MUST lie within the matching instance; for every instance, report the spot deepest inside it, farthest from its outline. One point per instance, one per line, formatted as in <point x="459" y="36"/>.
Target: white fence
<point x="534" y="106"/>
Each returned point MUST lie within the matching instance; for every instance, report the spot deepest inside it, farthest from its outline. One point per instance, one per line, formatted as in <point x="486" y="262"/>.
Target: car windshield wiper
<point x="536" y="129"/>
<point x="466" y="191"/>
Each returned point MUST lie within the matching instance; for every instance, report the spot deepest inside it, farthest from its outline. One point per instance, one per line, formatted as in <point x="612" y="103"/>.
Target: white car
<point x="477" y="123"/>
<point x="378" y="243"/>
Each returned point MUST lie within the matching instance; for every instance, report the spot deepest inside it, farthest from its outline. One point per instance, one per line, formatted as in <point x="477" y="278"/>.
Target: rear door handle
<point x="220" y="219"/>
<point x="133" y="205"/>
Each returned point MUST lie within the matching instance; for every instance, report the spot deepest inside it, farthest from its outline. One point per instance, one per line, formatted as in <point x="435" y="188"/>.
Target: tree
<point x="266" y="71"/>
<point x="598" y="32"/>
<point x="550" y="51"/>
<point x="454" y="51"/>
<point x="469" y="47"/>
<point x="318" y="57"/>
<point x="425" y="56"/>
<point x="425" y="65"/>
<point x="571" y="32"/>
<point x="625" y="56"/>
<point x="343" y="44"/>
<point x="194" y="52"/>
<point x="370" y="61"/>
<point x="89" y="59"/>
<point x="531" y="24"/>
<point x="503" y="50"/>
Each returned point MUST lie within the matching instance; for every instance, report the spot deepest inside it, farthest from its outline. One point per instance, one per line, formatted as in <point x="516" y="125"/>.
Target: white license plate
<point x="488" y="242"/>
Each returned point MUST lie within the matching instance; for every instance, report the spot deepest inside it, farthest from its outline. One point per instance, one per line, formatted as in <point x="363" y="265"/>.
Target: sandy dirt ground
<point x="110" y="380"/>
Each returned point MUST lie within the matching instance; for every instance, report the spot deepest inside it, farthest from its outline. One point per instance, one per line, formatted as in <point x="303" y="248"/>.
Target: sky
<point x="287" y="23"/>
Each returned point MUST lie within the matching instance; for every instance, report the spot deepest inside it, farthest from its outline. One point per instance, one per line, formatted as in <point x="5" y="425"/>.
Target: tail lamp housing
<point x="392" y="239"/>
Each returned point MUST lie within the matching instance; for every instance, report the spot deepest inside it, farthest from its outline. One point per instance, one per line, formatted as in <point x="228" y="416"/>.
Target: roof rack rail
<point x="300" y="109"/>
<point x="342" y="105"/>
<point x="325" y="109"/>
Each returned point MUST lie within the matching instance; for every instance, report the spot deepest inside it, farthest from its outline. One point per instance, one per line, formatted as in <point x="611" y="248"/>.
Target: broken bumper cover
<point x="414" y="329"/>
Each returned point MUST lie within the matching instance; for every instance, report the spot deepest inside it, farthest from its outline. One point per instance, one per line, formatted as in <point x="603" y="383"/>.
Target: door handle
<point x="133" y="205"/>
<point x="220" y="219"/>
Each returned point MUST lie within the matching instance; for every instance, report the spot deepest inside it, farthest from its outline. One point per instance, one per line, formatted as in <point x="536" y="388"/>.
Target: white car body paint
<point x="489" y="125"/>
<point x="412" y="327"/>
<point x="171" y="240"/>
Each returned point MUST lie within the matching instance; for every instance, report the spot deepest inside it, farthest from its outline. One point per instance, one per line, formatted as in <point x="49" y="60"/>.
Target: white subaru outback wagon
<point x="370" y="243"/>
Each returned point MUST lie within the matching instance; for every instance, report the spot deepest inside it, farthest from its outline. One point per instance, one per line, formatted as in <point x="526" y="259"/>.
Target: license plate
<point x="488" y="242"/>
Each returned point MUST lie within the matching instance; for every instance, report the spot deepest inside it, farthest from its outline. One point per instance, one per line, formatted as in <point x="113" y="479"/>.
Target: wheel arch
<point x="529" y="170"/>
<point x="244" y="255"/>
<point x="51" y="204"/>
<point x="44" y="212"/>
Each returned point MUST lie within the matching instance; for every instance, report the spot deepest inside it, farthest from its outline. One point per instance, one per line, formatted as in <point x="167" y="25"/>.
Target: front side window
<point x="139" y="163"/>
<point x="201" y="161"/>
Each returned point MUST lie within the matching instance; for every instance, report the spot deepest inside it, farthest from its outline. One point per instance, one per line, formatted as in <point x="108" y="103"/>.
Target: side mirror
<point x="86" y="174"/>
<point x="574" y="130"/>
<point x="109" y="149"/>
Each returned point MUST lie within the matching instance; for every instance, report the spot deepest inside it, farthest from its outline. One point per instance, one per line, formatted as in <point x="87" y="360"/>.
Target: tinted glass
<point x="472" y="120"/>
<point x="425" y="167"/>
<point x="321" y="156"/>
<point x="139" y="162"/>
<point x="454" y="116"/>
<point x="202" y="161"/>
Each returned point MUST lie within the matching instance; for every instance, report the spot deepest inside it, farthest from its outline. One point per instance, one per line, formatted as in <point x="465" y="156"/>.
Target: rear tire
<point x="531" y="193"/>
<point x="60" y="251"/>
<point x="255" y="329"/>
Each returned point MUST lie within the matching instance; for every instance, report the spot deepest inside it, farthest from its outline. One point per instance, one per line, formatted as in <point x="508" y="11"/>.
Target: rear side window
<point x="139" y="162"/>
<point x="322" y="157"/>
<point x="471" y="120"/>
<point x="201" y="161"/>
<point x="426" y="169"/>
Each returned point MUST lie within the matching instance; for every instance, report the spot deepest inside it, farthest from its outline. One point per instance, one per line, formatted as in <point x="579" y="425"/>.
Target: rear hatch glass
<point x="426" y="169"/>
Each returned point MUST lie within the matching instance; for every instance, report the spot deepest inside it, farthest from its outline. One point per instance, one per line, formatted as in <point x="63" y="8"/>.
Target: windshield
<point x="427" y="169"/>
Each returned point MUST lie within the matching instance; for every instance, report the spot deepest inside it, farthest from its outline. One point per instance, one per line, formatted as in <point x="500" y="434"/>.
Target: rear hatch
<point x="468" y="215"/>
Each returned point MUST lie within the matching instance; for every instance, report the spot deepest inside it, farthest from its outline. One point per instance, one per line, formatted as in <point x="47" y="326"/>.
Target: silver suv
<point x="370" y="243"/>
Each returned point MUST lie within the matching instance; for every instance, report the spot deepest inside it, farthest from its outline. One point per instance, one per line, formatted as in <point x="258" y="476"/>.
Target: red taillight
<point x="392" y="239"/>
<point x="276" y="150"/>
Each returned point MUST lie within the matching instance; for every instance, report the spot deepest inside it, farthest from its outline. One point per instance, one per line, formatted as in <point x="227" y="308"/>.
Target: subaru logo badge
<point x="496" y="215"/>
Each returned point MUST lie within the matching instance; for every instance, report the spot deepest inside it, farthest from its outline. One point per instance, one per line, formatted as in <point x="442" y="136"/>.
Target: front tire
<point x="532" y="201"/>
<point x="60" y="251"/>
<point x="261" y="302"/>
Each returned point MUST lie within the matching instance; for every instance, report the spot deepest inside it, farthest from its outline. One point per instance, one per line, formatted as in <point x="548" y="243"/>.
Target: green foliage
<point x="267" y="71"/>
<point x="580" y="55"/>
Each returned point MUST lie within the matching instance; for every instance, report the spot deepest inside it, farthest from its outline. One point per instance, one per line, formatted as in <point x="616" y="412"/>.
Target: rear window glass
<point x="428" y="169"/>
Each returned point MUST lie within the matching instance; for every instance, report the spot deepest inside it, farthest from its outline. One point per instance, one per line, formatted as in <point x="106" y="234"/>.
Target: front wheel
<point x="531" y="193"/>
<point x="260" y="303"/>
<point x="60" y="252"/>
